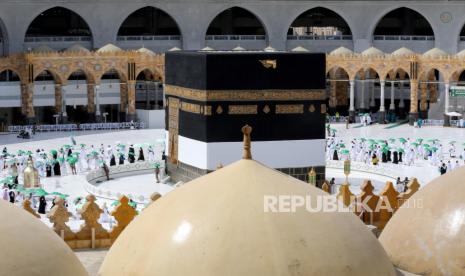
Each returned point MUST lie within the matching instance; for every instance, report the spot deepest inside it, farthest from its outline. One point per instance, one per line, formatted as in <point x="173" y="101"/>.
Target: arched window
<point x="236" y="21"/>
<point x="319" y="22"/>
<point x="404" y="22"/>
<point x="149" y="21"/>
<point x="58" y="21"/>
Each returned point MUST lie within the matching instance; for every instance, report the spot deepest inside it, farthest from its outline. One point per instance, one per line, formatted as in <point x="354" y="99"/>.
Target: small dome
<point x="269" y="49"/>
<point x="435" y="52"/>
<point x="208" y="49"/>
<point x="146" y="51"/>
<point x="372" y="52"/>
<point x="77" y="48"/>
<point x="174" y="49"/>
<point x="341" y="51"/>
<point x="109" y="48"/>
<point x="238" y="48"/>
<point x="403" y="52"/>
<point x="29" y="247"/>
<point x="429" y="239"/>
<point x="217" y="225"/>
<point x="43" y="49"/>
<point x="299" y="49"/>
<point x="461" y="53"/>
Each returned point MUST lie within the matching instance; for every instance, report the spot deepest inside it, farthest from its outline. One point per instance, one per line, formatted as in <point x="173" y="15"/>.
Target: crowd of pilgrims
<point x="397" y="151"/>
<point x="67" y="160"/>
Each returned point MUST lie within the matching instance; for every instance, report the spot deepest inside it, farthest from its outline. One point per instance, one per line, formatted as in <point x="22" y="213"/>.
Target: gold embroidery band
<point x="245" y="95"/>
<point x="243" y="109"/>
<point x="289" y="108"/>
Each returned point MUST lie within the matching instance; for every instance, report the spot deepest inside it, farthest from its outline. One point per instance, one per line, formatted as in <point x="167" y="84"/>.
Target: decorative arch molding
<point x="387" y="10"/>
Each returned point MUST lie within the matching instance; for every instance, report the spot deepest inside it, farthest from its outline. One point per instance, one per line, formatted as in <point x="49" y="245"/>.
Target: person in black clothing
<point x="121" y="159"/>
<point x="56" y="167"/>
<point x="406" y="181"/>
<point x="443" y="169"/>
<point x="113" y="160"/>
<point x="141" y="155"/>
<point x="383" y="157"/>
<point x="48" y="168"/>
<point x="395" y="158"/>
<point x="42" y="205"/>
<point x="400" y="157"/>
<point x="12" y="196"/>
<point x="165" y="160"/>
<point x="131" y="154"/>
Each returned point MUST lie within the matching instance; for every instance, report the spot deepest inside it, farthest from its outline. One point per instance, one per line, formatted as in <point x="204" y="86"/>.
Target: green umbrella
<point x="132" y="204"/>
<point x="415" y="144"/>
<point x="115" y="203"/>
<point x="401" y="150"/>
<point x="434" y="149"/>
<point x="71" y="160"/>
<point x="392" y="140"/>
<point x="342" y="145"/>
<point x="344" y="151"/>
<point x="40" y="192"/>
<point x="402" y="140"/>
<point x="426" y="145"/>
<point x="66" y="146"/>
<point x="53" y="152"/>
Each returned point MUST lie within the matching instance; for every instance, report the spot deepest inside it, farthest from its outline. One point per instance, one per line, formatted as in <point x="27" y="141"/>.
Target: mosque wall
<point x="193" y="18"/>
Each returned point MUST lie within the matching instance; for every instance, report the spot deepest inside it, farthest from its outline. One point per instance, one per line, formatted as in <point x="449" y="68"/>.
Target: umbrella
<point x="434" y="148"/>
<point x="392" y="140"/>
<point x="40" y="192"/>
<point x="342" y="145"/>
<point x="453" y="114"/>
<point x="401" y="150"/>
<point x="344" y="151"/>
<point x="53" y="152"/>
<point x="63" y="196"/>
<point x="66" y="146"/>
<point x="402" y="140"/>
<point x="419" y="140"/>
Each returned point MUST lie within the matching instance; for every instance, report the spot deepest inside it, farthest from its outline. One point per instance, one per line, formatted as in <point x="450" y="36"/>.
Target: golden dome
<point x="217" y="225"/>
<point x="429" y="239"/>
<point x="29" y="247"/>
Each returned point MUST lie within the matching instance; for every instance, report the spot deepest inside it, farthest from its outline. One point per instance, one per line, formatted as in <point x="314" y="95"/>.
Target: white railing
<point x="319" y="37"/>
<point x="76" y="127"/>
<point x="122" y="170"/>
<point x="148" y="37"/>
<point x="235" y="37"/>
<point x="57" y="38"/>
<point x="382" y="169"/>
<point x="404" y="37"/>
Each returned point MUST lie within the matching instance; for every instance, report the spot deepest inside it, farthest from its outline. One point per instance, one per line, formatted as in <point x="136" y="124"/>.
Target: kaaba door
<point x="173" y="129"/>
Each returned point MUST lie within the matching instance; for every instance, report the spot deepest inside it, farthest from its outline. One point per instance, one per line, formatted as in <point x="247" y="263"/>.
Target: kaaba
<point x="210" y="96"/>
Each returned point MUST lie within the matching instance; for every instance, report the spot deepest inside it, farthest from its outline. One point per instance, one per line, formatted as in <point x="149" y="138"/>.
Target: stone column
<point x="392" y="106"/>
<point x="64" y="115"/>
<point x="446" y="104"/>
<point x="98" y="115"/>
<point x="58" y="99"/>
<point x="352" y="101"/>
<point x="362" y="102"/>
<point x="131" y="101"/>
<point x="27" y="103"/>
<point x="382" y="109"/>
<point x="123" y="101"/>
<point x="413" y="116"/>
<point x="90" y="102"/>
<point x="423" y="100"/>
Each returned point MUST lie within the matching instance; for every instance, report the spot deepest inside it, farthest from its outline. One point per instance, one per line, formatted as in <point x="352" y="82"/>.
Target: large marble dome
<point x="28" y="247"/>
<point x="216" y="225"/>
<point x="426" y="236"/>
